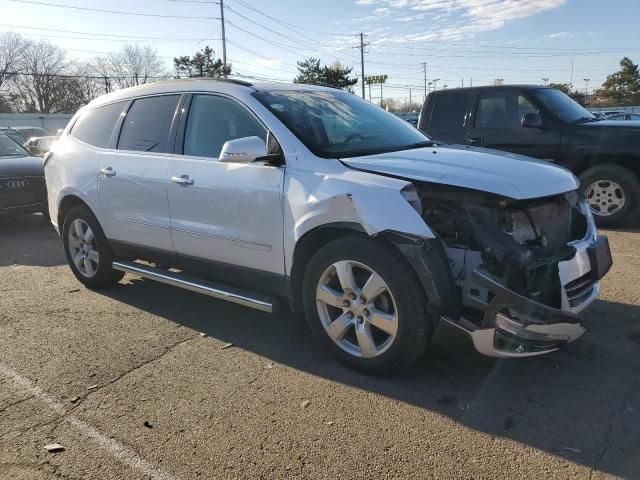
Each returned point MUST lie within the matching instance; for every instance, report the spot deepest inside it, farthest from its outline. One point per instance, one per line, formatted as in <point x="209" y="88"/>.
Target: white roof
<point x="200" y="85"/>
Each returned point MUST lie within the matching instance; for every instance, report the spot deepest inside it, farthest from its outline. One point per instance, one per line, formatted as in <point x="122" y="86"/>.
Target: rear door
<point x="132" y="178"/>
<point x="446" y="116"/>
<point x="497" y="123"/>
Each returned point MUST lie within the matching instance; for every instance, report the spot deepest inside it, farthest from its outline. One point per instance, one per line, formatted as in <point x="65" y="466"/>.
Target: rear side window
<point x="147" y="124"/>
<point x="449" y="111"/>
<point x="95" y="126"/>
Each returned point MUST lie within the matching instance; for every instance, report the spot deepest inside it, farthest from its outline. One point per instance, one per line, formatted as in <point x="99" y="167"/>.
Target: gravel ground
<point x="126" y="381"/>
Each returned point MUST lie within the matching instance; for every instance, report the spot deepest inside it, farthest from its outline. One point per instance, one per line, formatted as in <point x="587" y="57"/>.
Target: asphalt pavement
<point x="149" y="381"/>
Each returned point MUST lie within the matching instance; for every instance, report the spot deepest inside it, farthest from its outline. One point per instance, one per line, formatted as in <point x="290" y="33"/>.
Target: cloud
<point x="563" y="35"/>
<point x="471" y="16"/>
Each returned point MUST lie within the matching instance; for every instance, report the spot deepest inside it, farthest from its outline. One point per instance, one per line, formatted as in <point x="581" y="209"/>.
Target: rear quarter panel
<point x="72" y="170"/>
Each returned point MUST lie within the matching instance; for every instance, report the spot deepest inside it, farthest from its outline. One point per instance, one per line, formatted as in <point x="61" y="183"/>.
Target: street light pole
<point x="435" y="84"/>
<point x="586" y="89"/>
<point x="424" y="65"/>
<point x="545" y="80"/>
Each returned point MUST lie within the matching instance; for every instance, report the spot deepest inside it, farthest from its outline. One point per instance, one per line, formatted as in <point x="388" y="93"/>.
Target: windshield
<point x="563" y="106"/>
<point x="11" y="148"/>
<point x="340" y="124"/>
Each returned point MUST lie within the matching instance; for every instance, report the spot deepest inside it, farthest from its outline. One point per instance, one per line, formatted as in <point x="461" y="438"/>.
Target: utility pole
<point x="224" y="39"/>
<point x="424" y="66"/>
<point x="362" y="45"/>
<point x="410" y="107"/>
<point x="462" y="82"/>
<point x="545" y="80"/>
<point x="586" y="89"/>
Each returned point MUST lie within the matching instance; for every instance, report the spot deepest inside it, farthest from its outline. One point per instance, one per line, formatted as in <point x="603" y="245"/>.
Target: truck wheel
<point x="611" y="192"/>
<point x="366" y="305"/>
<point x="87" y="250"/>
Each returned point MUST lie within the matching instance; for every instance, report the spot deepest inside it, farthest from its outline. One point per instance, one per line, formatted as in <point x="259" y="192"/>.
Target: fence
<point x="51" y="122"/>
<point x="616" y="109"/>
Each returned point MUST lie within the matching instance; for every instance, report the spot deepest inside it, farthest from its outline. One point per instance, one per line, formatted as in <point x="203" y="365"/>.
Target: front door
<point x="497" y="123"/>
<point x="229" y="213"/>
<point x="132" y="179"/>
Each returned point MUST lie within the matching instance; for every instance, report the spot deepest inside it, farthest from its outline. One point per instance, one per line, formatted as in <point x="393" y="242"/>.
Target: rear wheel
<point x="87" y="249"/>
<point x="611" y="192"/>
<point x="366" y="305"/>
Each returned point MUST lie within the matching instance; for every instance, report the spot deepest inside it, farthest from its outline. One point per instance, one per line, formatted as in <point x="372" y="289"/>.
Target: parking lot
<point x="141" y="382"/>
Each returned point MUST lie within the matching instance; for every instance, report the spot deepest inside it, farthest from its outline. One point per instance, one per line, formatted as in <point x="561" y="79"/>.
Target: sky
<point x="462" y="42"/>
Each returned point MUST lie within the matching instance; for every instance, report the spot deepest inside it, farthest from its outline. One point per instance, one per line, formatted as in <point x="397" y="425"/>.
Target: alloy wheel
<point x="83" y="248"/>
<point x="357" y="309"/>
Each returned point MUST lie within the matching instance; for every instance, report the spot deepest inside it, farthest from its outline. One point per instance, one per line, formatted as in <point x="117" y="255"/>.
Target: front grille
<point x="579" y="290"/>
<point x="21" y="191"/>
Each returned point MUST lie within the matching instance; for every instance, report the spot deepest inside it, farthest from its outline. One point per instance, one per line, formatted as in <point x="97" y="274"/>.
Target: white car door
<point x="230" y="213"/>
<point x="132" y="179"/>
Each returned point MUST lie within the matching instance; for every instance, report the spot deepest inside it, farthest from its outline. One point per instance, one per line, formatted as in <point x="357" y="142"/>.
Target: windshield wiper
<point x="426" y="143"/>
<point x="587" y="119"/>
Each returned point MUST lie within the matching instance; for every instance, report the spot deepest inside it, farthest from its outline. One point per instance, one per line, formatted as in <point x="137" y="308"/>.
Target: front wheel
<point x="366" y="305"/>
<point x="610" y="191"/>
<point x="87" y="249"/>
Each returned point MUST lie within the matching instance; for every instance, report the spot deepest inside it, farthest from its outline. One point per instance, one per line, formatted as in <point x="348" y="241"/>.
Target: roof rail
<point x="219" y="79"/>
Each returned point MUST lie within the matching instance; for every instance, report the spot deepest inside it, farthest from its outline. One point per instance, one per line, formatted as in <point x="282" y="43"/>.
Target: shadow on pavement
<point x="27" y="240"/>
<point x="580" y="403"/>
<point x="571" y="403"/>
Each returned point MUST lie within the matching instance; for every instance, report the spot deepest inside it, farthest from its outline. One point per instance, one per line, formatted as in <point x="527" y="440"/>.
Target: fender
<point x="373" y="202"/>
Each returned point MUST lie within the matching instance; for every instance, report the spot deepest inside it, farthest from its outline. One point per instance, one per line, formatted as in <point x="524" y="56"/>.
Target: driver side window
<point x="213" y="120"/>
<point x="502" y="110"/>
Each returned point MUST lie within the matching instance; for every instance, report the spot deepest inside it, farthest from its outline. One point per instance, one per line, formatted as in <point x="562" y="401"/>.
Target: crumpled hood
<point x="505" y="174"/>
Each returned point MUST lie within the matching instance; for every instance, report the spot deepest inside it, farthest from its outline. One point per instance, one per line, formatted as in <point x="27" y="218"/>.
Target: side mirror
<point x="34" y="150"/>
<point x="243" y="150"/>
<point x="532" y="120"/>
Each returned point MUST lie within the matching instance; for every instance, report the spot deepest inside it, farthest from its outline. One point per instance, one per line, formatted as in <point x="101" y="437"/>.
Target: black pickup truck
<point x="545" y="123"/>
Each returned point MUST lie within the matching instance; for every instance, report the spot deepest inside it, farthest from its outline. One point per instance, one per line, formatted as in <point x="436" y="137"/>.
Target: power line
<point x="118" y="12"/>
<point x="287" y="48"/>
<point x="100" y="34"/>
<point x="282" y="22"/>
<point x="295" y="40"/>
<point x="103" y="39"/>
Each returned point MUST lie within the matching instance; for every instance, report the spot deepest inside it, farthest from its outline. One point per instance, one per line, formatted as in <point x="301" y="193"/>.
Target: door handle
<point x="108" y="172"/>
<point x="183" y="180"/>
<point x="475" y="141"/>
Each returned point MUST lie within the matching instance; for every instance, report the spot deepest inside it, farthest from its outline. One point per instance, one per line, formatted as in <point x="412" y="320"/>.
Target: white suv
<point x="253" y="193"/>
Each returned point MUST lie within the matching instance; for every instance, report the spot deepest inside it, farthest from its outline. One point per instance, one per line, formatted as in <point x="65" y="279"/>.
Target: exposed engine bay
<point x="506" y="258"/>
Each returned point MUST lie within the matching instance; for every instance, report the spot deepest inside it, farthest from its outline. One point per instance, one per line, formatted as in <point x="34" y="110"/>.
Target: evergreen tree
<point x="335" y="75"/>
<point x="201" y="64"/>
<point x="622" y="87"/>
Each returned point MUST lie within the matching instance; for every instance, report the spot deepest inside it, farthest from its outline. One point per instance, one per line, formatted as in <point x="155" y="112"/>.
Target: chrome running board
<point x="198" y="285"/>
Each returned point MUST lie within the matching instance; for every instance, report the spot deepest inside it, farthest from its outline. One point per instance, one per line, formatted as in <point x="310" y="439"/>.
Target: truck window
<point x="449" y="111"/>
<point x="502" y="110"/>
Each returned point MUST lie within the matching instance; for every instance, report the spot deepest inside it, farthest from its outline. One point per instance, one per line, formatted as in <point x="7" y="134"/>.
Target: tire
<point x="93" y="268"/>
<point x="612" y="192"/>
<point x="403" y="298"/>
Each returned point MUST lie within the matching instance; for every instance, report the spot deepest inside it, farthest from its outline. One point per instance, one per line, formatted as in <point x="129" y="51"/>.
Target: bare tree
<point x="12" y="46"/>
<point x="133" y="65"/>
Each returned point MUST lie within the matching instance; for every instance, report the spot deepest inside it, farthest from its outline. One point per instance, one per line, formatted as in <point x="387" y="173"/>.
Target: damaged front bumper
<point x="523" y="327"/>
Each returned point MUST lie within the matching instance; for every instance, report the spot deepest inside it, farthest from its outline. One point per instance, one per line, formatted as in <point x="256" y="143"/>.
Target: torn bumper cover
<point x="522" y="327"/>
